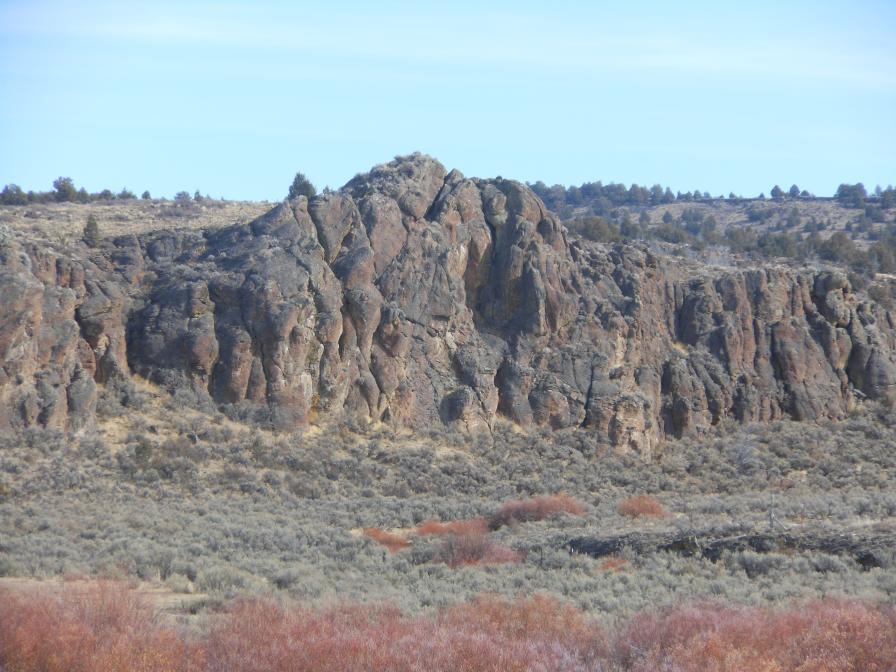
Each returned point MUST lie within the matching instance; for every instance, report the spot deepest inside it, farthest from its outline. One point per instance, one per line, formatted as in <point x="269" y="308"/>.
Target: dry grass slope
<point x="64" y="222"/>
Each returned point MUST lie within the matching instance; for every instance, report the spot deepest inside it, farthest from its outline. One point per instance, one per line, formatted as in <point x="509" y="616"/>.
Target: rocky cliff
<point x="416" y="296"/>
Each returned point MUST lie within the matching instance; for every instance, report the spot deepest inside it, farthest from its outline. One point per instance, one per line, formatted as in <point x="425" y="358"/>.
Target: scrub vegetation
<point x="105" y="627"/>
<point x="212" y="508"/>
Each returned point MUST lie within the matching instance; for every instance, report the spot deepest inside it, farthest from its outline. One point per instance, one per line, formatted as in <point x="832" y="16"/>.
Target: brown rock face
<point x="416" y="296"/>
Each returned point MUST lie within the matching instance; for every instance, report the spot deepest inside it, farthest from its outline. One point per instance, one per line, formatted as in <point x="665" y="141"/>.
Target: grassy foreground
<point x="102" y="626"/>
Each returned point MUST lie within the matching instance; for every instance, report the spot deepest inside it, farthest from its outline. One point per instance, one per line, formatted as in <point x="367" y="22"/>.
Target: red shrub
<point x="537" y="508"/>
<point x="642" y="505"/>
<point x="474" y="548"/>
<point x="536" y="619"/>
<point x="613" y="563"/>
<point x="486" y="635"/>
<point x="262" y="636"/>
<point x="822" y="636"/>
<point x="105" y="628"/>
<point x="436" y="528"/>
<point x="93" y="627"/>
<point x="393" y="542"/>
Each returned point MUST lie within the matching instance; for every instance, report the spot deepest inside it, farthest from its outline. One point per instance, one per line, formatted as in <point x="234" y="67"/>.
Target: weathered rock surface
<point x="417" y="296"/>
<point x="870" y="546"/>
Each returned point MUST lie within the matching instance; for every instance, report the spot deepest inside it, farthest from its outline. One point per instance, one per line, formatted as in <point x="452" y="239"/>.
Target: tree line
<point x="64" y="191"/>
<point x="600" y="199"/>
<point x="597" y="198"/>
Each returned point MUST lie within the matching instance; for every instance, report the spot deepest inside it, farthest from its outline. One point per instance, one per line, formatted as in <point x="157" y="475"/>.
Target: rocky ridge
<point x="415" y="296"/>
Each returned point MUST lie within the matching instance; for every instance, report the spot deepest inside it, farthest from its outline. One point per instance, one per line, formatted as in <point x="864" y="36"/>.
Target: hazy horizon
<point x="233" y="98"/>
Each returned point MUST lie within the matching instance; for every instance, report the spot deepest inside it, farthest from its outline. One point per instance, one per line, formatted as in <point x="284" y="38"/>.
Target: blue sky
<point x="232" y="98"/>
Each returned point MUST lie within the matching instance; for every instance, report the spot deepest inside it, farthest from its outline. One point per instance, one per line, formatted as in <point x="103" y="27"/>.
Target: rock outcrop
<point x="416" y="296"/>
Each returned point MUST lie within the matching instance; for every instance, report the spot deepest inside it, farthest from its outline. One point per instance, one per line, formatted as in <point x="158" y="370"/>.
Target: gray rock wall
<point x="415" y="296"/>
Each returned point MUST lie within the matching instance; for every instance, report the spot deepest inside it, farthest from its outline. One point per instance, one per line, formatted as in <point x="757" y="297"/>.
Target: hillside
<point x="63" y="223"/>
<point x="797" y="231"/>
<point x="863" y="216"/>
<point x="212" y="509"/>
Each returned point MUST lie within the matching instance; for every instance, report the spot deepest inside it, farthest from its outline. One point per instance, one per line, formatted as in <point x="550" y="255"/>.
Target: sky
<point x="233" y="98"/>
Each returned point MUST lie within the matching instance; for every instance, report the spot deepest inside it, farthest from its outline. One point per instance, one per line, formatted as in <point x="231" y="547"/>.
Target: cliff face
<point x="415" y="297"/>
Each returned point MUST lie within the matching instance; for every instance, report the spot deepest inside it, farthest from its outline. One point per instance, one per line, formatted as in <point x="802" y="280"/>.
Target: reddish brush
<point x="436" y="528"/>
<point x="105" y="628"/>
<point x="613" y="563"/>
<point x="642" y="505"/>
<point x="537" y="508"/>
<point x="393" y="542"/>
<point x="487" y="635"/>
<point x="536" y="619"/>
<point x="467" y="542"/>
<point x="93" y="627"/>
<point x="474" y="548"/>
<point x="825" y="636"/>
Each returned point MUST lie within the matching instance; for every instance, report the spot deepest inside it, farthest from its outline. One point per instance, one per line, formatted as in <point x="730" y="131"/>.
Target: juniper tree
<point x="91" y="233"/>
<point x="301" y="186"/>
